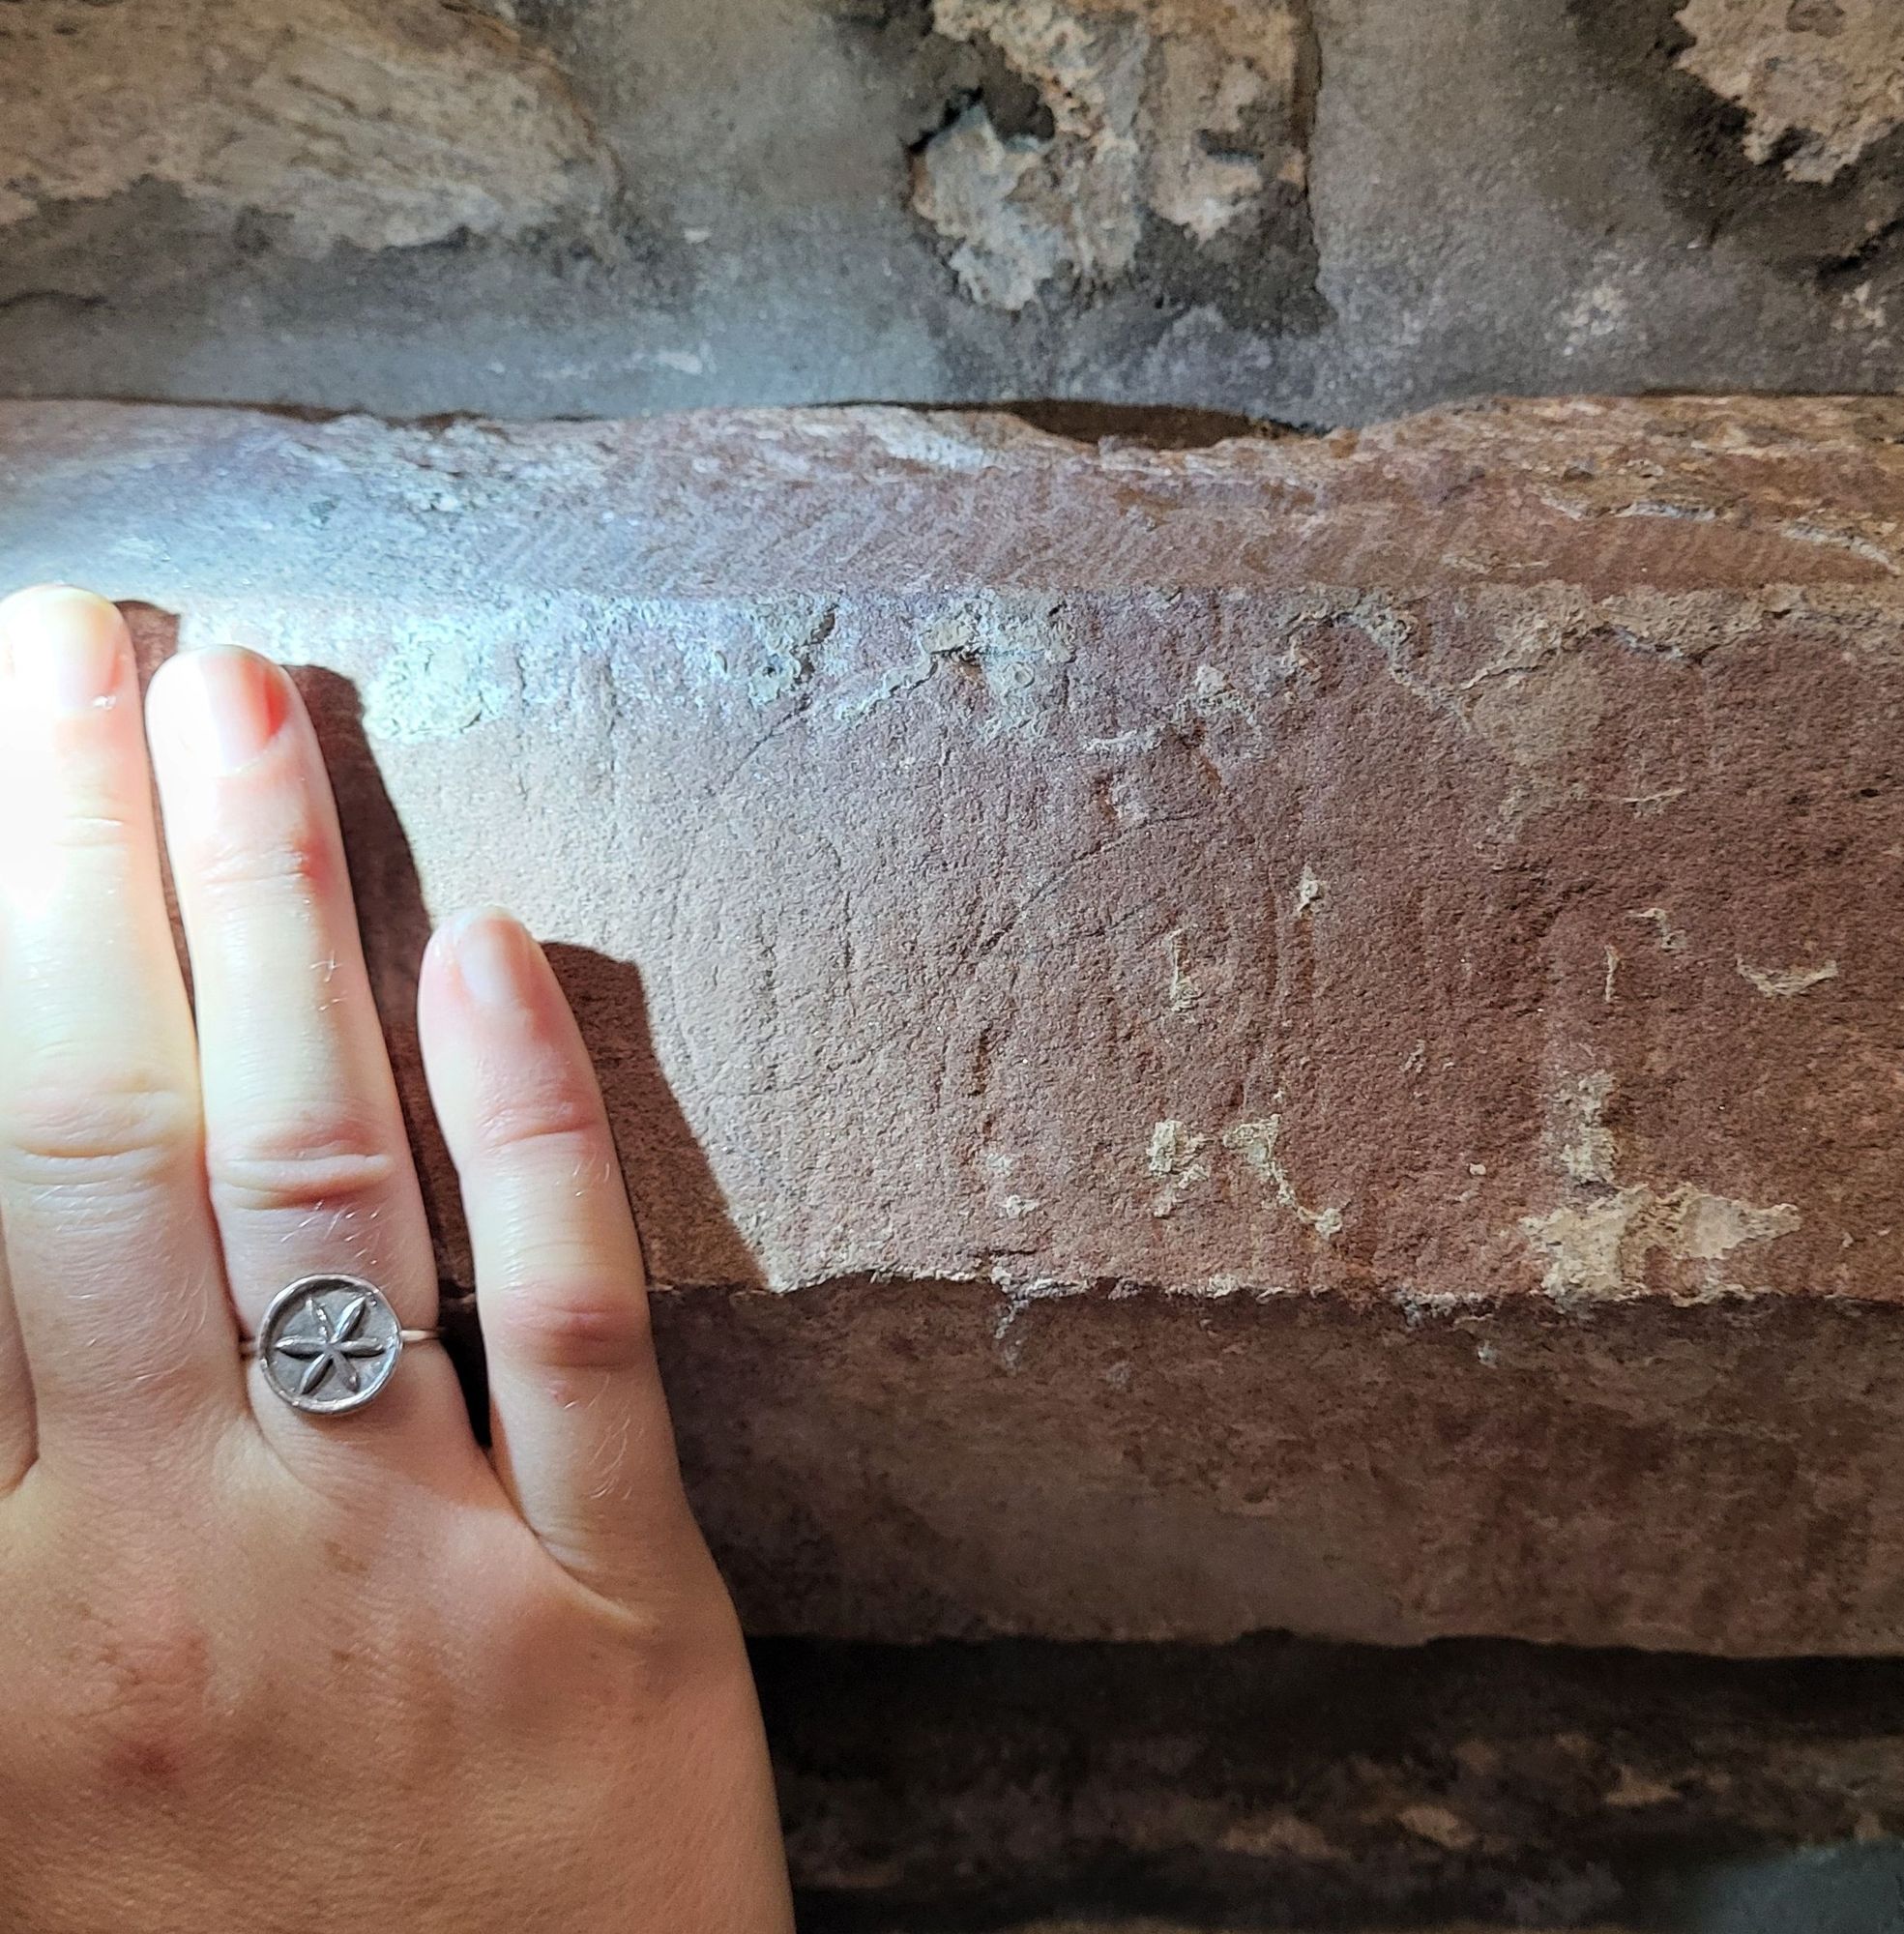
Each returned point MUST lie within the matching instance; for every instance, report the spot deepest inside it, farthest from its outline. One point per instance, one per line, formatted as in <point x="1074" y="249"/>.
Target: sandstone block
<point x="1300" y="1032"/>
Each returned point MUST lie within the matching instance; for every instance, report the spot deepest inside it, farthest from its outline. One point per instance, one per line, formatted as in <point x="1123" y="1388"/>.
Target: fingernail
<point x="493" y="956"/>
<point x="235" y="704"/>
<point x="66" y="646"/>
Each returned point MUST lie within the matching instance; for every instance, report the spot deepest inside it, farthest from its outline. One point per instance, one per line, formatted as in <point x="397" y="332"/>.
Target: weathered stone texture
<point x="1317" y="213"/>
<point x="1305" y="1032"/>
<point x="382" y="123"/>
<point x="1191" y="110"/>
<point x="1278" y="1784"/>
<point x="1821" y="80"/>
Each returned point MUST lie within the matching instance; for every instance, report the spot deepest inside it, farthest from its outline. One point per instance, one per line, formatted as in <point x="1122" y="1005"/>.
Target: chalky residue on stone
<point x="379" y="123"/>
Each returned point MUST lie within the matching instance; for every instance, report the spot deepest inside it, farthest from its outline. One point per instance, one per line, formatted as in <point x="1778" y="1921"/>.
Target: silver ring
<point x="329" y="1342"/>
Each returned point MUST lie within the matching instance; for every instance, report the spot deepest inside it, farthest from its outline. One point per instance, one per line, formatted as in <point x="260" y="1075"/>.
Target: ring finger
<point x="305" y="1149"/>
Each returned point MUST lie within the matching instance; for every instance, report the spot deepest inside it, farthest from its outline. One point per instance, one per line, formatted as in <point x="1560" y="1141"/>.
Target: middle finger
<point x="305" y="1147"/>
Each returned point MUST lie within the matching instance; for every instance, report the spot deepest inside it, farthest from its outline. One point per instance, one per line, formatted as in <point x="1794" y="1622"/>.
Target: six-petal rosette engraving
<point x="328" y="1343"/>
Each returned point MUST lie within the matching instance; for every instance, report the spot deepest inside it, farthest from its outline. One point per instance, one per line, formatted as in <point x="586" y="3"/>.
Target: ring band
<point x="330" y="1343"/>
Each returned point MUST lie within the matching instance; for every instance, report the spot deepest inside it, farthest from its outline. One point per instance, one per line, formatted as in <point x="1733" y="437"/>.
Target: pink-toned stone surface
<point x="1305" y="1032"/>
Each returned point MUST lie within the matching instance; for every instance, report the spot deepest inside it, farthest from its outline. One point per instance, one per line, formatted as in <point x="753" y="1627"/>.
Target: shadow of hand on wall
<point x="688" y="1234"/>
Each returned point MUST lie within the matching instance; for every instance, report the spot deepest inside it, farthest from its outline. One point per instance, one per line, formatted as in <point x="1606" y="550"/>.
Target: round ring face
<point x="328" y="1344"/>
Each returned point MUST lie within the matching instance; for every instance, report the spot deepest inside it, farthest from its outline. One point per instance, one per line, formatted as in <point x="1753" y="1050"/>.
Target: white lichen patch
<point x="1587" y="1147"/>
<point x="1594" y="1247"/>
<point x="1441" y="1826"/>
<point x="1282" y="1833"/>
<point x="1596" y="1250"/>
<point x="1596" y="312"/>
<point x="1632" y="1790"/>
<point x="381" y="123"/>
<point x="1180" y="1158"/>
<point x="1820" y="80"/>
<point x="1157" y="108"/>
<point x="1018" y="646"/>
<point x="761" y="649"/>
<point x="1782" y="983"/>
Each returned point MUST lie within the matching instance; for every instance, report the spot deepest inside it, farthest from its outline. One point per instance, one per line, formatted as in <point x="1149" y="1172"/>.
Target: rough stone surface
<point x="1822" y="80"/>
<point x="382" y="123"/>
<point x="1286" y="1785"/>
<point x="1296" y="1033"/>
<point x="1318" y="211"/>
<point x="1152" y="108"/>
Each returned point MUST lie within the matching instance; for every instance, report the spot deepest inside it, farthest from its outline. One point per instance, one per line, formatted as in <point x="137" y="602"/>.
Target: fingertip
<point x="489" y="953"/>
<point x="66" y="605"/>
<point x="67" y="647"/>
<point x="221" y="706"/>
<point x="465" y="917"/>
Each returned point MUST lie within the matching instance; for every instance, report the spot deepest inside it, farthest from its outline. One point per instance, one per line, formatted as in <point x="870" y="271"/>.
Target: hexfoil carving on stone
<point x="1187" y="110"/>
<point x="1822" y="80"/>
<point x="381" y="123"/>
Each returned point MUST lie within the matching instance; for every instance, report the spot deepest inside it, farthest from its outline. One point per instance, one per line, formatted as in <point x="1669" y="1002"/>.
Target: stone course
<point x="1295" y="1032"/>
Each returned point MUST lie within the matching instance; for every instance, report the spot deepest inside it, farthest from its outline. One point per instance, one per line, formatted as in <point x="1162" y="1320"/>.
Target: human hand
<point x="268" y="1671"/>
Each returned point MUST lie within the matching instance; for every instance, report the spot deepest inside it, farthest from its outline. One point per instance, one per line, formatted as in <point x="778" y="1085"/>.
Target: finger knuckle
<point x="301" y="1158"/>
<point x="66" y="1123"/>
<point x="88" y="825"/>
<point x="647" y="1649"/>
<point x="294" y="861"/>
<point x="555" y="1116"/>
<point x="570" y="1324"/>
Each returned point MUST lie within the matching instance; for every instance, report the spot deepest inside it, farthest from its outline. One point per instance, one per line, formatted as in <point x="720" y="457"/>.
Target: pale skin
<point x="263" y="1671"/>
